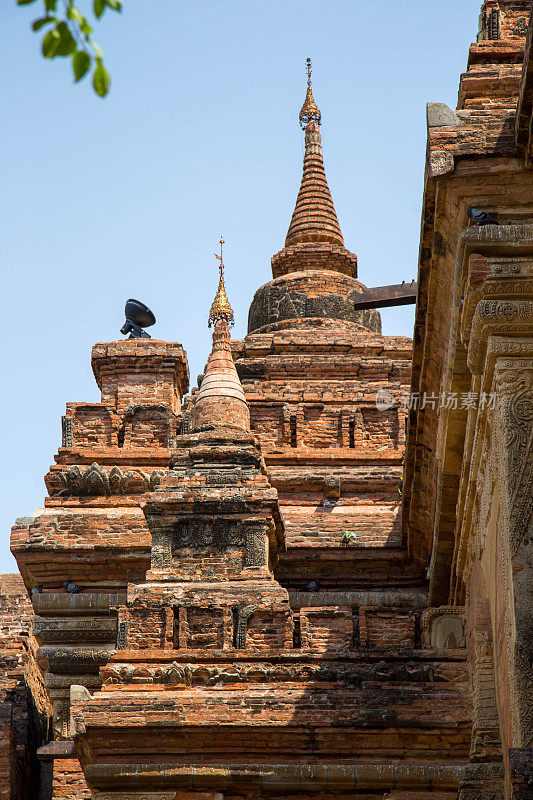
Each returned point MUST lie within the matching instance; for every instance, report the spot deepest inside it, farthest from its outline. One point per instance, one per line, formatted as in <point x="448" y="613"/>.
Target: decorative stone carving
<point x="514" y="383"/>
<point x="122" y="628"/>
<point x="220" y="534"/>
<point x="79" y="630"/>
<point x="174" y="674"/>
<point x="72" y="660"/>
<point x="161" y="550"/>
<point x="439" y="115"/>
<point x="61" y="714"/>
<point x="511" y="317"/>
<point x="218" y="674"/>
<point x="78" y="694"/>
<point x="223" y="478"/>
<point x="66" y="432"/>
<point x="255" y="547"/>
<point x="243" y="615"/>
<point x="95" y="480"/>
<point x="514" y="441"/>
<point x="332" y="487"/>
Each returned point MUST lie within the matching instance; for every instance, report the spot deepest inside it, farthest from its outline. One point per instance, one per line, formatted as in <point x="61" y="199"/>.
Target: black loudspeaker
<point x="138" y="316"/>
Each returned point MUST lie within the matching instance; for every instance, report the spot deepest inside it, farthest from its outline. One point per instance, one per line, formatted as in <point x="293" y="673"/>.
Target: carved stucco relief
<point x="513" y="432"/>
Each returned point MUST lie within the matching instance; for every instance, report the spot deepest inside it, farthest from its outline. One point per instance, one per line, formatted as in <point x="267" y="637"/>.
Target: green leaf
<point x="99" y="53"/>
<point x="99" y="8"/>
<point x="25" y="2"/>
<point x="101" y="80"/>
<point x="85" y="27"/>
<point x="116" y="5"/>
<point x="40" y="23"/>
<point x="73" y="13"/>
<point x="81" y="63"/>
<point x="50" y="5"/>
<point x="51" y="42"/>
<point x="67" y="43"/>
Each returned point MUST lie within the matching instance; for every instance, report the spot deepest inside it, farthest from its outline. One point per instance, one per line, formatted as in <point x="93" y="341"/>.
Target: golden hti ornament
<point x="220" y="308"/>
<point x="310" y="109"/>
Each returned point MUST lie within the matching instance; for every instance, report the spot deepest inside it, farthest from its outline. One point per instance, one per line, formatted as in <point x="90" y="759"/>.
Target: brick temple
<point x="289" y="583"/>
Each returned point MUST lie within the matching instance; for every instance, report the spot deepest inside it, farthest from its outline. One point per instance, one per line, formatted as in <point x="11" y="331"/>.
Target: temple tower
<point x="313" y="370"/>
<point x="315" y="276"/>
<point x="251" y="622"/>
<point x="220" y="400"/>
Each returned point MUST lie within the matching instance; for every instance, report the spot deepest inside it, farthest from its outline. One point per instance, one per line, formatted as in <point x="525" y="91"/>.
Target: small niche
<point x="351" y="433"/>
<point x="297" y="632"/>
<point x="292" y="423"/>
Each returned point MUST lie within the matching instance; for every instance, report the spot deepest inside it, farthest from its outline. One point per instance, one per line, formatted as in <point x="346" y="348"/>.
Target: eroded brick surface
<point x="24" y="706"/>
<point x="253" y="617"/>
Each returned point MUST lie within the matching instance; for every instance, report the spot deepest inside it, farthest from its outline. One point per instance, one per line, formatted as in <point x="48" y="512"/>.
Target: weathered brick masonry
<point x="255" y="618"/>
<point x="468" y="491"/>
<point x="24" y="707"/>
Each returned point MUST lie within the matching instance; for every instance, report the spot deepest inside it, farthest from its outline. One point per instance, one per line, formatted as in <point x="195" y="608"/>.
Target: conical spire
<point x="314" y="239"/>
<point x="314" y="218"/>
<point x="220" y="400"/>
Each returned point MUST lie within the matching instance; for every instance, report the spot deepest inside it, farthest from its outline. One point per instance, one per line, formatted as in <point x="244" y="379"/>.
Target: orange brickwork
<point x="253" y="617"/>
<point x="24" y="706"/>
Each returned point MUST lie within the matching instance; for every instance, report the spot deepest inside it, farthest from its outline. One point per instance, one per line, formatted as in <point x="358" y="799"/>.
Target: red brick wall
<point x="374" y="525"/>
<point x="7" y="754"/>
<point x="24" y="707"/>
<point x="147" y="429"/>
<point x="326" y="629"/>
<point x="266" y="630"/>
<point x="209" y="565"/>
<point x="69" y="781"/>
<point x="92" y="426"/>
<point x="267" y="423"/>
<point x="386" y="629"/>
<point x="205" y="628"/>
<point x="146" y="628"/>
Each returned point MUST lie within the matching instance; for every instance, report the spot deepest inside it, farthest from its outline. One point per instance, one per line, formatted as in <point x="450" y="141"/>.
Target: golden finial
<point x="220" y="308"/>
<point x="309" y="109"/>
<point x="221" y="265"/>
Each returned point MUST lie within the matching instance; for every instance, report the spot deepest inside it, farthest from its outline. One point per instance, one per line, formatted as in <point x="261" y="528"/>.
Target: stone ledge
<point x="50" y="604"/>
<point x="276" y="777"/>
<point x="53" y="750"/>
<point x="411" y="600"/>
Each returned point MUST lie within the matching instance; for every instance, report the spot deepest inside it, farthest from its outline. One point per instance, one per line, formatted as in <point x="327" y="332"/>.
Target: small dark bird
<point x="36" y="590"/>
<point x="73" y="588"/>
<point x="480" y="217"/>
<point x="312" y="586"/>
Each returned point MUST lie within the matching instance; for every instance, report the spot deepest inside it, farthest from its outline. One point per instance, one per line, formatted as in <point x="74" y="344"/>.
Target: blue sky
<point x="128" y="196"/>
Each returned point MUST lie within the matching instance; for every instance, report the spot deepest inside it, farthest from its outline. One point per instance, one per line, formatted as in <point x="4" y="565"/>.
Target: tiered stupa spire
<point x="314" y="239"/>
<point x="314" y="218"/>
<point x="220" y="400"/>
